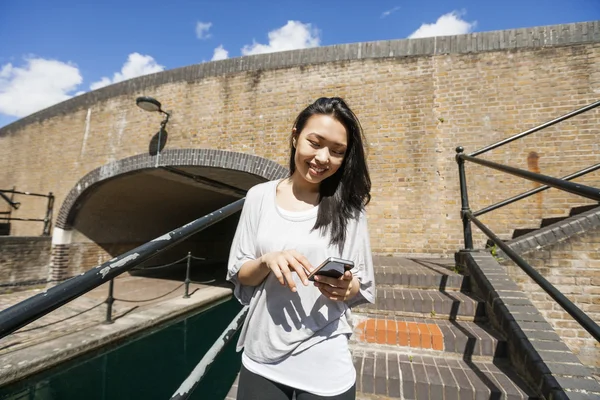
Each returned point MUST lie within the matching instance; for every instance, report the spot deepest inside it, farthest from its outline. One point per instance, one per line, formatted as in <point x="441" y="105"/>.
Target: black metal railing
<point x="563" y="184"/>
<point x="187" y="387"/>
<point x="7" y="215"/>
<point x="41" y="304"/>
<point x="110" y="299"/>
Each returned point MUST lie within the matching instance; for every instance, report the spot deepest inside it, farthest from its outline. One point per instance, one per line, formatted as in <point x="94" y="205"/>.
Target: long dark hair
<point x="343" y="195"/>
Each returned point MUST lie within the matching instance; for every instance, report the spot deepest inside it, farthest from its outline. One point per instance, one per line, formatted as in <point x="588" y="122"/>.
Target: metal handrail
<point x="586" y="322"/>
<point x="468" y="216"/>
<point x="575" y="188"/>
<point x="533" y="191"/>
<point x="187" y="387"/>
<point x="47" y="220"/>
<point x="535" y="129"/>
<point x="110" y="299"/>
<point x="41" y="304"/>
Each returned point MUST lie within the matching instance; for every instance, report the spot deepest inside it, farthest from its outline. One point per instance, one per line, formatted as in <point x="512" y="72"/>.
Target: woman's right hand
<point x="282" y="263"/>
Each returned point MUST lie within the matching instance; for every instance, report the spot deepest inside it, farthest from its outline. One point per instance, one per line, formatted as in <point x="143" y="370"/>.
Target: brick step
<point x="461" y="338"/>
<point x="418" y="273"/>
<point x="384" y="374"/>
<point x="425" y="303"/>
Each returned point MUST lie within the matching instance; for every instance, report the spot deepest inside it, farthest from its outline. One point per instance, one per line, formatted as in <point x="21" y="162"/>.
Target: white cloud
<point x="447" y="24"/>
<point x="220" y="54"/>
<point x="291" y="36"/>
<point x="136" y="65"/>
<point x="202" y="30"/>
<point x="388" y="12"/>
<point x="36" y="85"/>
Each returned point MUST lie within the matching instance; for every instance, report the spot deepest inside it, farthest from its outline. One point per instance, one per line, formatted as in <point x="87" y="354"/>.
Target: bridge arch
<point x="123" y="204"/>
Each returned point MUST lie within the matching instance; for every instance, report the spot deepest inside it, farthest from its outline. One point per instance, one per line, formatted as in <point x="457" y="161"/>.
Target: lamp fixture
<point x="150" y="104"/>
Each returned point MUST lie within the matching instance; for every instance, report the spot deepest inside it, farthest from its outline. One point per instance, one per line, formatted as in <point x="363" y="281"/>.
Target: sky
<point x="51" y="51"/>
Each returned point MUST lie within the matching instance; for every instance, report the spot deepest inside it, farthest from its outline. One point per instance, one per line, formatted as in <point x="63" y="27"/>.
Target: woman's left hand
<point x="340" y="289"/>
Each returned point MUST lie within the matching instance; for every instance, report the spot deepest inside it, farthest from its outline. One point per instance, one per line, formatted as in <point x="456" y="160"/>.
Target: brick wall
<point x="573" y="266"/>
<point x="24" y="261"/>
<point x="417" y="100"/>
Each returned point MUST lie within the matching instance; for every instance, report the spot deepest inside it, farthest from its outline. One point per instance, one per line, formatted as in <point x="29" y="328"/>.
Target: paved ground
<point x="135" y="296"/>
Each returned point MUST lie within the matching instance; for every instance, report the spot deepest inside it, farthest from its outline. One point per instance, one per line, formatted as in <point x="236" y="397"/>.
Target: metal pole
<point x="533" y="191"/>
<point x="158" y="147"/>
<point x="188" y="386"/>
<point x="12" y="199"/>
<point x="575" y="188"/>
<point x="13" y="191"/>
<point x="163" y="124"/>
<point x="464" y="199"/>
<point x="537" y="128"/>
<point x="48" y="219"/>
<point x="187" y="276"/>
<point x="109" y="302"/>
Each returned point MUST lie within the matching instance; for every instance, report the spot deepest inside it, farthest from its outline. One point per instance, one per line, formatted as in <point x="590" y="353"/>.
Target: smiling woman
<point x="349" y="188"/>
<point x="287" y="227"/>
<point x="320" y="149"/>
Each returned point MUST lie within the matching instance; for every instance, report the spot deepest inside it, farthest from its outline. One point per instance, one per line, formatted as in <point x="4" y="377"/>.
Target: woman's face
<point x="320" y="148"/>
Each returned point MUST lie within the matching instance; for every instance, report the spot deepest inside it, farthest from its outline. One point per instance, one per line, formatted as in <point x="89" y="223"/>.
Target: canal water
<point x="149" y="366"/>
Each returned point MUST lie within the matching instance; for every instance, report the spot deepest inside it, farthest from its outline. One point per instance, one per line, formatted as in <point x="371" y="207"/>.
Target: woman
<point x="295" y="336"/>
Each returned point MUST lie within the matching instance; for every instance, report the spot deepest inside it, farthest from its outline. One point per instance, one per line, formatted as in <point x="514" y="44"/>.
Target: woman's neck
<point x="302" y="188"/>
<point x="296" y="194"/>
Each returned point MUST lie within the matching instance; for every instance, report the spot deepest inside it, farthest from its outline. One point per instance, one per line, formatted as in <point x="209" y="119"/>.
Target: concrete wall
<point x="417" y="100"/>
<point x="24" y="262"/>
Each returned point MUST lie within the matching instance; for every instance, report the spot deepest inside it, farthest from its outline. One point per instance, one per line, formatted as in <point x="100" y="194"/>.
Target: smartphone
<point x="333" y="267"/>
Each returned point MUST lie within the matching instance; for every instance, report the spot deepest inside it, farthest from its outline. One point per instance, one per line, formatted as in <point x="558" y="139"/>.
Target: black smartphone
<point x="333" y="267"/>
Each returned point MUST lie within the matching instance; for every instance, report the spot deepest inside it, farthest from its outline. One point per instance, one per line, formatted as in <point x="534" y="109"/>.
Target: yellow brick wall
<point x="414" y="109"/>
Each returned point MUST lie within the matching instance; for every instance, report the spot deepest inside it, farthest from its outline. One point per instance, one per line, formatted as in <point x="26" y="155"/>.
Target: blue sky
<point x="53" y="50"/>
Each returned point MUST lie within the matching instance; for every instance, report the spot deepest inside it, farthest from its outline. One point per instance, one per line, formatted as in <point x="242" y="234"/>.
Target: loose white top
<point x="281" y="323"/>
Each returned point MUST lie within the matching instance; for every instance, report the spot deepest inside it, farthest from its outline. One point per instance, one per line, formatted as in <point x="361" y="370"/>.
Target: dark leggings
<point x="254" y="387"/>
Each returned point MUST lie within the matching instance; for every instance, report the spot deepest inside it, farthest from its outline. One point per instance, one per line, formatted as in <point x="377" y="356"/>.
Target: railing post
<point x="109" y="302"/>
<point x="48" y="218"/>
<point x="187" y="276"/>
<point x="464" y="199"/>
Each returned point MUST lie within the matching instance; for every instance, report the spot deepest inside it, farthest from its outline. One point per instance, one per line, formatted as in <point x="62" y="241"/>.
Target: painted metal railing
<point x="7" y="215"/>
<point x="110" y="299"/>
<point x="41" y="304"/>
<point x="187" y="387"/>
<point x="564" y="184"/>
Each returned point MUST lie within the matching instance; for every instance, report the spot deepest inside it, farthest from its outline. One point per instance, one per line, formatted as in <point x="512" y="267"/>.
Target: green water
<point x="145" y="367"/>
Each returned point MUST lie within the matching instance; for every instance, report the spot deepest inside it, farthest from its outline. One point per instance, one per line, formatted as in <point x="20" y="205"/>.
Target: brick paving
<point x="391" y="374"/>
<point x="418" y="273"/>
<point x="88" y="310"/>
<point x="402" y="333"/>
<point x="461" y="337"/>
<point x="425" y="303"/>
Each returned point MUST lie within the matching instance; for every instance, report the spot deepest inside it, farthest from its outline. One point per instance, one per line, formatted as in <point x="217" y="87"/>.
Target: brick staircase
<point x="426" y="337"/>
<point x="517" y="233"/>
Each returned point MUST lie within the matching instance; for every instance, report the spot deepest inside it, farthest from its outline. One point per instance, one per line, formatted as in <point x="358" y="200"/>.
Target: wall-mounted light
<point x="151" y="104"/>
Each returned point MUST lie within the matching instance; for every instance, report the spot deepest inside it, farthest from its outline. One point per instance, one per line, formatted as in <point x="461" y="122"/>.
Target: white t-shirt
<point x="285" y="332"/>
